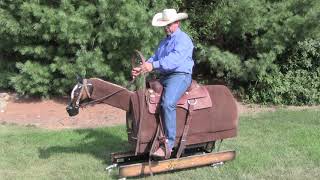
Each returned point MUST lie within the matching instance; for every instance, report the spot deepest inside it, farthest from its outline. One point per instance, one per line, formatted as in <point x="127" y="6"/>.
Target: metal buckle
<point x="192" y="103"/>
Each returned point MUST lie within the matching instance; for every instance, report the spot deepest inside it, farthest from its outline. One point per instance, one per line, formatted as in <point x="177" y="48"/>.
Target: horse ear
<point x="79" y="79"/>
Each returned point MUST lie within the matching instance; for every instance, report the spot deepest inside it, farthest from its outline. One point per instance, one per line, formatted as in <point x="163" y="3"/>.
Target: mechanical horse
<point x="206" y="114"/>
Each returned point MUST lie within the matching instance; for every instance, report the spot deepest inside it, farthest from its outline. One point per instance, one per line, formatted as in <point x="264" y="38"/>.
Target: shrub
<point x="266" y="51"/>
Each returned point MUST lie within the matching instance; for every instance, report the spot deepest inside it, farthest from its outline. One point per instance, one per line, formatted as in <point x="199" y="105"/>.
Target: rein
<point x="104" y="97"/>
<point x="107" y="96"/>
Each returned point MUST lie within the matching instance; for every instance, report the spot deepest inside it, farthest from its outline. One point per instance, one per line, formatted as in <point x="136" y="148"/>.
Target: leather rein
<point x="96" y="101"/>
<point x="85" y="88"/>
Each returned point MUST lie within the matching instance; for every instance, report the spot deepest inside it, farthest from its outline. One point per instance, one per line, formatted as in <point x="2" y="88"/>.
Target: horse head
<point x="80" y="93"/>
<point x="100" y="91"/>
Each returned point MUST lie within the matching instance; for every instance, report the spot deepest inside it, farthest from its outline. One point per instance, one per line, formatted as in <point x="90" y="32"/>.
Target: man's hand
<point x="146" y="67"/>
<point x="135" y="72"/>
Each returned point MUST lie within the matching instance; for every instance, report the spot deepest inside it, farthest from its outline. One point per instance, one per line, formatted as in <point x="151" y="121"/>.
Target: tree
<point x="265" y="50"/>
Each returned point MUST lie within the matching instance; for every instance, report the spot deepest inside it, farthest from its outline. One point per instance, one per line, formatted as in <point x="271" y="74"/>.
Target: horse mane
<point x="107" y="82"/>
<point x="120" y="96"/>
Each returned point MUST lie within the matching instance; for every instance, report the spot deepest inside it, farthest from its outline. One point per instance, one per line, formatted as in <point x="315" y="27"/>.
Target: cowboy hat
<point x="167" y="16"/>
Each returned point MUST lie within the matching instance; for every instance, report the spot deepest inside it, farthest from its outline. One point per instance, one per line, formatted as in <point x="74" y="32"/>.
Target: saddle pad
<point x="199" y="97"/>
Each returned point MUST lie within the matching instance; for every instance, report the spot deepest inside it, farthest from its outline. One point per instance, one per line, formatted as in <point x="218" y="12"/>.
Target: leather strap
<point x="86" y="88"/>
<point x="157" y="140"/>
<point x="154" y="145"/>
<point x="164" y="140"/>
<point x="153" y="148"/>
<point x="183" y="140"/>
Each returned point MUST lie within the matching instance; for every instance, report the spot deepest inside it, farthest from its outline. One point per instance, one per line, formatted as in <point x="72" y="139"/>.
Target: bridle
<point x="73" y="107"/>
<point x="96" y="101"/>
<point x="84" y="87"/>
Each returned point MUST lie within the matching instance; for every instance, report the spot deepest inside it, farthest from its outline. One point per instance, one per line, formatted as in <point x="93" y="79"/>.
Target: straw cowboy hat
<point x="167" y="16"/>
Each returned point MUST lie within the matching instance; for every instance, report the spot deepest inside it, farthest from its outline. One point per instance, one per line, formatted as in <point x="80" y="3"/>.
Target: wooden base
<point x="175" y="164"/>
<point x="121" y="158"/>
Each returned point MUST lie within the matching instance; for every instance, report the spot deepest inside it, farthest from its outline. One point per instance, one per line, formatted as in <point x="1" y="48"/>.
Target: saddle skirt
<point x="195" y="95"/>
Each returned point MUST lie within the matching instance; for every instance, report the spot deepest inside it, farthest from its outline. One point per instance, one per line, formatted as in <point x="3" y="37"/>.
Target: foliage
<point x="32" y="77"/>
<point x="6" y="71"/>
<point x="297" y="82"/>
<point x="259" y="48"/>
<point x="248" y="44"/>
<point x="53" y="41"/>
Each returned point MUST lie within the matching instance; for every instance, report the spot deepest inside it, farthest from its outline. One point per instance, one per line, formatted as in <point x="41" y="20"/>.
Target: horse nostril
<point x="72" y="111"/>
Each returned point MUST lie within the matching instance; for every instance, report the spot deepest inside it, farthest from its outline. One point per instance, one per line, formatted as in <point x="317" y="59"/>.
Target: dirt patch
<point x="51" y="114"/>
<point x="252" y="109"/>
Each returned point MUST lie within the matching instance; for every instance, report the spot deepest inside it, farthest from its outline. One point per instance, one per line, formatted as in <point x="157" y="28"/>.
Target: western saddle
<point x="196" y="97"/>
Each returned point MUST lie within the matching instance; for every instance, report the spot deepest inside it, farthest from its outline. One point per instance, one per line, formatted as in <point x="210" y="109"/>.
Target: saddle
<point x="196" y="95"/>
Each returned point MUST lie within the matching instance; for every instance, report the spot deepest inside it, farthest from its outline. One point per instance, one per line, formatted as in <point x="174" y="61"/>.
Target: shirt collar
<point x="174" y="33"/>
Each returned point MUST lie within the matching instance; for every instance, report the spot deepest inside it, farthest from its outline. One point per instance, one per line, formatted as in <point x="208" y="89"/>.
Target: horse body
<point x="207" y="125"/>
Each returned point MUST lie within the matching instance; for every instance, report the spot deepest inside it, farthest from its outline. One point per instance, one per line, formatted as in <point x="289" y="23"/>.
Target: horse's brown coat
<point x="209" y="124"/>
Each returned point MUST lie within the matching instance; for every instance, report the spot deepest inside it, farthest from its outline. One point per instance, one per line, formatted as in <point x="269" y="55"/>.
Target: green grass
<point x="31" y="153"/>
<point x="278" y="145"/>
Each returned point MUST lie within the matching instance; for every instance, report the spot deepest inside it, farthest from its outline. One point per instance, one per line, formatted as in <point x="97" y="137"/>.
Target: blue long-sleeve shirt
<point x="174" y="54"/>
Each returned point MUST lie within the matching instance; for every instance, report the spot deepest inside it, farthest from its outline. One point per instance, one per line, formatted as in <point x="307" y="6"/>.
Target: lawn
<point x="278" y="145"/>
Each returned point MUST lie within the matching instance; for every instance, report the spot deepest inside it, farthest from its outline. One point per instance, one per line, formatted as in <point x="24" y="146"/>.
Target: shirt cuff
<point x="150" y="60"/>
<point x="156" y="64"/>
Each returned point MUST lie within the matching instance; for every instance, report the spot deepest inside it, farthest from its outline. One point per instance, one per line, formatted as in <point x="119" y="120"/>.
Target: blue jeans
<point x="175" y="85"/>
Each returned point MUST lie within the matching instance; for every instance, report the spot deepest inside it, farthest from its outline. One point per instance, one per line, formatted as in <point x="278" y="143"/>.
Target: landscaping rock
<point x="4" y="98"/>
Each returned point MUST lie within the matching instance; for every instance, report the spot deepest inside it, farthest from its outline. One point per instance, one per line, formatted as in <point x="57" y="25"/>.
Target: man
<point x="173" y="59"/>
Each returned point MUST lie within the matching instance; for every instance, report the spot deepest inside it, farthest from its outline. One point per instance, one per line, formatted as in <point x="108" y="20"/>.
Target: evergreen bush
<point x="266" y="51"/>
<point x="259" y="47"/>
<point x="52" y="41"/>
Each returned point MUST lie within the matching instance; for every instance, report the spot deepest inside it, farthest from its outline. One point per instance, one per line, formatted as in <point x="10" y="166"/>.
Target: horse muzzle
<point x="72" y="111"/>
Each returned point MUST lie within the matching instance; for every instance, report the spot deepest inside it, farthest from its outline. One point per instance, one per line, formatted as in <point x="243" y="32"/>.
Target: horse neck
<point x="138" y="105"/>
<point x="103" y="88"/>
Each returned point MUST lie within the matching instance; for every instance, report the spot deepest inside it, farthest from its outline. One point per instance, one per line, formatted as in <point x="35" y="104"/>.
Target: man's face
<point x="170" y="28"/>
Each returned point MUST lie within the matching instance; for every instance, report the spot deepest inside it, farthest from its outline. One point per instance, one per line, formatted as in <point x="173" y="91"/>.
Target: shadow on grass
<point x="97" y="142"/>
